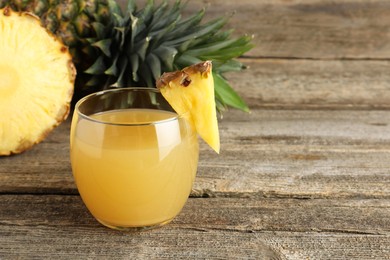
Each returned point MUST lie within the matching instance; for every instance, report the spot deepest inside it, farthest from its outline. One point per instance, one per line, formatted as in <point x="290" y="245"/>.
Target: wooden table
<point x="305" y="175"/>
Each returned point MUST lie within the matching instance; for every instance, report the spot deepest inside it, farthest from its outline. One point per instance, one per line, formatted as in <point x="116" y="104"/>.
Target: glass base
<point x="135" y="228"/>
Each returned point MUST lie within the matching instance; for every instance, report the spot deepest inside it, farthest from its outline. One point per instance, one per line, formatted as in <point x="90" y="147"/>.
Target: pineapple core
<point x="190" y="92"/>
<point x="36" y="81"/>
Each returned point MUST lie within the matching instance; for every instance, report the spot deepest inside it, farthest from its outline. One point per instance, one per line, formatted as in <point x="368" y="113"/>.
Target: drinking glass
<point x="134" y="160"/>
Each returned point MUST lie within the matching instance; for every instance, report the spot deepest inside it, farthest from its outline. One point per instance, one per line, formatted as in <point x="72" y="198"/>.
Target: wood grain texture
<point x="43" y="169"/>
<point x="310" y="29"/>
<point x="309" y="84"/>
<point x="207" y="228"/>
<point x="305" y="175"/>
<point x="268" y="153"/>
<point x="80" y="243"/>
<point x="300" y="154"/>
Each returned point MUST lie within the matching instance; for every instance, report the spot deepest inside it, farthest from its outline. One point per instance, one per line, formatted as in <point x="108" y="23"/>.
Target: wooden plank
<point x="313" y="29"/>
<point x="308" y="84"/>
<point x="311" y="245"/>
<point x="299" y="154"/>
<point x="44" y="168"/>
<point x="33" y="226"/>
<point x="79" y="243"/>
<point x="248" y="215"/>
<point x="268" y="153"/>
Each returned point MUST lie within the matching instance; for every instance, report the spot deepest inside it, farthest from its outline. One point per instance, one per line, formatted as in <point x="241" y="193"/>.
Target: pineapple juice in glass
<point x="133" y="159"/>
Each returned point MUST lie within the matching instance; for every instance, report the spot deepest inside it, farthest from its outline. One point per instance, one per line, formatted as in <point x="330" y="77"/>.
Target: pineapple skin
<point x="36" y="91"/>
<point x="190" y="92"/>
<point x="70" y="18"/>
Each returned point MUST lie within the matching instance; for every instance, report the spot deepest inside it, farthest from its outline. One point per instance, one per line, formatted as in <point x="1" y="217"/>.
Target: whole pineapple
<point x="133" y="47"/>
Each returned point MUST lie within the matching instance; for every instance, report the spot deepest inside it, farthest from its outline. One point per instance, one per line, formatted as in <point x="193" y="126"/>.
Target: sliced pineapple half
<point x="190" y="92"/>
<point x="36" y="81"/>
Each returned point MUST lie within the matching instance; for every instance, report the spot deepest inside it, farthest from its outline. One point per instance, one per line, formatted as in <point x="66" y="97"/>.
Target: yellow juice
<point x="133" y="167"/>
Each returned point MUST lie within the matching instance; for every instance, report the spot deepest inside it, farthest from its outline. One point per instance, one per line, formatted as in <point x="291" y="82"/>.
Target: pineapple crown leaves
<point x="140" y="44"/>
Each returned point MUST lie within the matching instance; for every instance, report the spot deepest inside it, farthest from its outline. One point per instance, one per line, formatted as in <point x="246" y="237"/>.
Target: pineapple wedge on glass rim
<point x="36" y="81"/>
<point x="190" y="92"/>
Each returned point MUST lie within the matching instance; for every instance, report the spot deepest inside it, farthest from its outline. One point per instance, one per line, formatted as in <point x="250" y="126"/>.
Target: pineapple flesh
<point x="190" y="92"/>
<point x="36" y="81"/>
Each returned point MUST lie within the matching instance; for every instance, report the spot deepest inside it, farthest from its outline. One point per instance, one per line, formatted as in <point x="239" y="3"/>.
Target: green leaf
<point x="104" y="46"/>
<point x="154" y="65"/>
<point x="158" y="36"/>
<point x="227" y="94"/>
<point x="99" y="29"/>
<point x="183" y="26"/>
<point x="185" y="45"/>
<point x="146" y="76"/>
<point x="134" y="64"/>
<point x="219" y="104"/>
<point x="186" y="60"/>
<point x="141" y="48"/>
<point x="113" y="70"/>
<point x="147" y="12"/>
<point x="227" y="54"/>
<point x="220" y="107"/>
<point x="121" y="34"/>
<point x="114" y="7"/>
<point x="165" y="17"/>
<point x="210" y="48"/>
<point x="219" y="37"/>
<point x="200" y="31"/>
<point x="158" y="14"/>
<point x="118" y="19"/>
<point x="98" y="67"/>
<point x="93" y="81"/>
<point x="230" y="65"/>
<point x="134" y="27"/>
<point x="167" y="55"/>
<point x="131" y="6"/>
<point x="122" y="76"/>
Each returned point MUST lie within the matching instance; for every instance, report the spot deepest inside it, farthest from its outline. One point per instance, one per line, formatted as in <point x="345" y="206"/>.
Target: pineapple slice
<point x="36" y="81"/>
<point x="190" y="92"/>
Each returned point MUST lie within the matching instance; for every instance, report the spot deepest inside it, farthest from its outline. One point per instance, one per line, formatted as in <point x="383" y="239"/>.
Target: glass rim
<point x="102" y="92"/>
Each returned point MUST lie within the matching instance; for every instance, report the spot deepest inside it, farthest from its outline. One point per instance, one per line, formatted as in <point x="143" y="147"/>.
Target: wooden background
<point x="305" y="175"/>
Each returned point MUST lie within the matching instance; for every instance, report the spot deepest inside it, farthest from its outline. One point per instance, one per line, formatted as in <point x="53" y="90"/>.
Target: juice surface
<point x="134" y="175"/>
